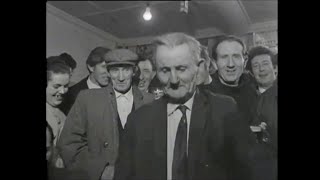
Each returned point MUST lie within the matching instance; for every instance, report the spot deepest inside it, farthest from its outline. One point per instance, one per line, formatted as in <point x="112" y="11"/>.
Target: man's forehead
<point x="229" y="46"/>
<point x="177" y="55"/>
<point x="262" y="57"/>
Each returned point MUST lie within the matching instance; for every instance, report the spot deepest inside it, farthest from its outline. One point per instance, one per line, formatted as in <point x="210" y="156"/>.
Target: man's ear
<point x="90" y="68"/>
<point x="276" y="70"/>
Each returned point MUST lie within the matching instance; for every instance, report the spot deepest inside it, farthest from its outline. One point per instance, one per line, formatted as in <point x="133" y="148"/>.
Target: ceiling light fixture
<point x="184" y="6"/>
<point x="147" y="14"/>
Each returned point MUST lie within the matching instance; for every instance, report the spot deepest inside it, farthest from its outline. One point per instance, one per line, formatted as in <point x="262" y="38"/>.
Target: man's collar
<point x="127" y="95"/>
<point x="210" y="80"/>
<point x="92" y="85"/>
<point x="224" y="83"/>
<point x="261" y="90"/>
<point x="172" y="107"/>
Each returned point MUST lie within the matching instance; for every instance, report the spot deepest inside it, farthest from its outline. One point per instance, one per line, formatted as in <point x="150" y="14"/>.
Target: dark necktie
<point x="180" y="161"/>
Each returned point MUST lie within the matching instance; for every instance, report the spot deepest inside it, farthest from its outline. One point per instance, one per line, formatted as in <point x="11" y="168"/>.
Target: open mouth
<point x="231" y="71"/>
<point x="263" y="75"/>
<point x="58" y="97"/>
<point x="121" y="84"/>
<point x="141" y="84"/>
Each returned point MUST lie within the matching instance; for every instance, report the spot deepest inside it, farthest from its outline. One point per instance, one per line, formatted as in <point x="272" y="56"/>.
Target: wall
<point x="66" y="33"/>
<point x="207" y="36"/>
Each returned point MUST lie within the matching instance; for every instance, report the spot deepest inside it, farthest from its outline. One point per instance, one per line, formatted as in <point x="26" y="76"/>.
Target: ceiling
<point x="123" y="19"/>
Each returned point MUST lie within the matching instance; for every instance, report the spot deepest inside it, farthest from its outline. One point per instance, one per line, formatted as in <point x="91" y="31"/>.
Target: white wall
<point x="66" y="33"/>
<point x="206" y="33"/>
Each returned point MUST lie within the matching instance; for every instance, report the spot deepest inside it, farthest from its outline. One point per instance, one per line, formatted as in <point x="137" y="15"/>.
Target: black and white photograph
<point x="162" y="90"/>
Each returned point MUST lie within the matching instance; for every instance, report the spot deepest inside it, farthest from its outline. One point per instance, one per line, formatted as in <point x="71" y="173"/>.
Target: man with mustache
<point x="97" y="78"/>
<point x="188" y="133"/>
<point x="95" y="124"/>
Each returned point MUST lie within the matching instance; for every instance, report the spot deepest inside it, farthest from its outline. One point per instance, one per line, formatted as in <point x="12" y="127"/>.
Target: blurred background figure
<point x="146" y="78"/>
<point x="147" y="73"/>
<point x="58" y="78"/>
<point x="209" y="67"/>
<point x="97" y="78"/>
<point x="263" y="64"/>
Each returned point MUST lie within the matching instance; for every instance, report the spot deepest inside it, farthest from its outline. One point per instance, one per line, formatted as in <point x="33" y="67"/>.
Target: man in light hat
<point x="90" y="138"/>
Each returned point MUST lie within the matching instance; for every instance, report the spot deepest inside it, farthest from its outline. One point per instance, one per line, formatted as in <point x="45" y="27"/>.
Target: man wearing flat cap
<point x="90" y="138"/>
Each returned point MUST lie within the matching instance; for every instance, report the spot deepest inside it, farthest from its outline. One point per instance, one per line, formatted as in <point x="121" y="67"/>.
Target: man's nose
<point x="261" y="68"/>
<point x="173" y="77"/>
<point x="230" y="62"/>
<point x="141" y="76"/>
<point x="63" y="90"/>
<point x="121" y="76"/>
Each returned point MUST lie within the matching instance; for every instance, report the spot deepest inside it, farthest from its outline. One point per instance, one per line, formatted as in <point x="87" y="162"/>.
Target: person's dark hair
<point x="228" y="38"/>
<point x="56" y="66"/>
<point x="142" y="59"/>
<point x="69" y="60"/>
<point x="96" y="56"/>
<point x="66" y="58"/>
<point x="261" y="50"/>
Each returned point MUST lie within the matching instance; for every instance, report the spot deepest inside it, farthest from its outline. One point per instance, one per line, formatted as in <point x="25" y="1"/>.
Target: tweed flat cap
<point x="120" y="56"/>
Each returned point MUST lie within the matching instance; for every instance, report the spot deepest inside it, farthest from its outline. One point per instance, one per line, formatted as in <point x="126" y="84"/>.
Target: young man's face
<point x="146" y="75"/>
<point x="121" y="77"/>
<point x="100" y="74"/>
<point x="57" y="86"/>
<point x="263" y="70"/>
<point x="230" y="61"/>
<point x="176" y="70"/>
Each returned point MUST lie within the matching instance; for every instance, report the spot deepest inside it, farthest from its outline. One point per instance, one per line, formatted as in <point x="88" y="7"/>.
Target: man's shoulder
<point x="93" y="94"/>
<point x="217" y="97"/>
<point x="82" y="84"/>
<point x="150" y="108"/>
<point x="148" y="97"/>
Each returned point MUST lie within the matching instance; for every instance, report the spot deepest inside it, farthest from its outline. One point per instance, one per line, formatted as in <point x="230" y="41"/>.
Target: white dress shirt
<point x="174" y="115"/>
<point x="92" y="85"/>
<point x="124" y="105"/>
<point x="261" y="90"/>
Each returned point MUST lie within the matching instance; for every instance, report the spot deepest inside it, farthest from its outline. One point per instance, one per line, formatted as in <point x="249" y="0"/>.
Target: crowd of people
<point x="179" y="113"/>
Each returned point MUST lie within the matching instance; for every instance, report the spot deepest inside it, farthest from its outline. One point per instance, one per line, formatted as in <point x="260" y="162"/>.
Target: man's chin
<point x="180" y="98"/>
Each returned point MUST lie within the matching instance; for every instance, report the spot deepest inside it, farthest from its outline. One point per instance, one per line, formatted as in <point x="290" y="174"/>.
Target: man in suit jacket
<point x="98" y="77"/>
<point x="187" y="134"/>
<point x="89" y="140"/>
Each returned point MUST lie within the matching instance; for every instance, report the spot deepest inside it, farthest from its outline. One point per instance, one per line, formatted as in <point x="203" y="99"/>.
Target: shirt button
<point x="106" y="144"/>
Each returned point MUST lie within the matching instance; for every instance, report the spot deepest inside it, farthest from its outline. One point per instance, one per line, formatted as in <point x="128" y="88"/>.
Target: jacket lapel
<point x="160" y="136"/>
<point x="137" y="97"/>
